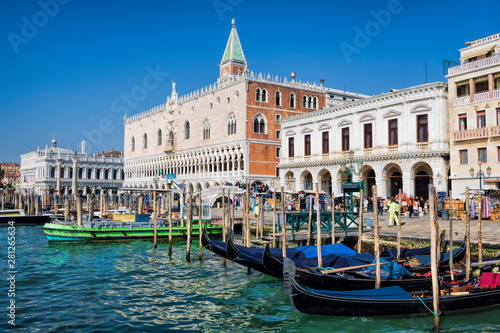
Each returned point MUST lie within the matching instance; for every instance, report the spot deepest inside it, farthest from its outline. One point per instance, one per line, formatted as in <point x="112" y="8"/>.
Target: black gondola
<point x="311" y="277"/>
<point x="388" y="301"/>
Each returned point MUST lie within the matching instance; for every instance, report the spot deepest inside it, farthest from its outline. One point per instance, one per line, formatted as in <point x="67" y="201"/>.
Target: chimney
<point x="322" y="82"/>
<point x="293" y="76"/>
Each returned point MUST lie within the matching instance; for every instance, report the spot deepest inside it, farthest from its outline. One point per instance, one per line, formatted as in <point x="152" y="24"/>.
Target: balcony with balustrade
<point x="474" y="65"/>
<point x="471" y="134"/>
<point x="423" y="145"/>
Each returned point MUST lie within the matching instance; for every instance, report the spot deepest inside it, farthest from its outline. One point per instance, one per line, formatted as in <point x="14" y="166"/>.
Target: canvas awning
<point x="476" y="52"/>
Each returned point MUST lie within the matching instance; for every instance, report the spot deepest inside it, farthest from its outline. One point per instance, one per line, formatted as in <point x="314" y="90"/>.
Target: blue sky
<point x="68" y="65"/>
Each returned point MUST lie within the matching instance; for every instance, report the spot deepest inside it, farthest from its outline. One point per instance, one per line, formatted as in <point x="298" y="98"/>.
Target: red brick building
<point x="227" y="132"/>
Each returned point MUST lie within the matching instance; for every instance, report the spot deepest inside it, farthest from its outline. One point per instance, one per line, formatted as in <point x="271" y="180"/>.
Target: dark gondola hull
<point x="317" y="280"/>
<point x="218" y="247"/>
<point x="323" y="302"/>
<point x="27" y="220"/>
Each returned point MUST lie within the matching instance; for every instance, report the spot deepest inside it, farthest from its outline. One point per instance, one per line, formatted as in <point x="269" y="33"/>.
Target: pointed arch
<point x="171" y="139"/>
<point x="264" y="95"/>
<point x="259" y="123"/>
<point x="258" y="94"/>
<point x="206" y="130"/>
<point x="292" y="100"/>
<point x="278" y="98"/>
<point x="158" y="137"/>
<point x="231" y="124"/>
<point x="187" y="130"/>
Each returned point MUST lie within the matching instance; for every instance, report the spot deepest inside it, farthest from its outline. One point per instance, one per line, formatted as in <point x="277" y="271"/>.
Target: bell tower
<point x="233" y="61"/>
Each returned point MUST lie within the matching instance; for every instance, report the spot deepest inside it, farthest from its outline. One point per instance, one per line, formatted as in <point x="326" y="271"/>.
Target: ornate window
<point x="291" y="147"/>
<point x="264" y="95"/>
<point x="292" y="100"/>
<point x="345" y="139"/>
<point x="393" y="132"/>
<point x="187" y="130"/>
<point x="171" y="140"/>
<point x="257" y="95"/>
<point x="158" y="137"/>
<point x="309" y="102"/>
<point x="304" y="101"/>
<point x="325" y="142"/>
<point x="368" y="138"/>
<point x="307" y="145"/>
<point x="145" y="141"/>
<point x="422" y="128"/>
<point x="259" y="124"/>
<point x="206" y="130"/>
<point x="231" y="124"/>
<point x="278" y="98"/>
<point x="315" y="103"/>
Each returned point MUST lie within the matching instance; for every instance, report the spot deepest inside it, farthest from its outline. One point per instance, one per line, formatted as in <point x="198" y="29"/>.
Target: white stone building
<point x="225" y="133"/>
<point x="401" y="137"/>
<point x="474" y="122"/>
<point x="45" y="170"/>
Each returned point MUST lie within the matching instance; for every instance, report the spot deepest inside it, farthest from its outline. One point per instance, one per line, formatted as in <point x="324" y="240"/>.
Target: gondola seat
<point x="489" y="280"/>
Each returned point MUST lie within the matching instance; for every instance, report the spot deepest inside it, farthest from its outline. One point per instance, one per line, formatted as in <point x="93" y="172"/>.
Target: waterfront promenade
<point x="414" y="228"/>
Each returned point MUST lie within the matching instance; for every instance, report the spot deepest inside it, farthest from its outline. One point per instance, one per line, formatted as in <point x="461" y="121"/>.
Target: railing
<point x="368" y="150"/>
<point x="474" y="65"/>
<point x="423" y="146"/>
<point x="494" y="131"/>
<point x="393" y="148"/>
<point x="496" y="93"/>
<point x="478" y="133"/>
<point x="462" y="100"/>
<point x="482" y="96"/>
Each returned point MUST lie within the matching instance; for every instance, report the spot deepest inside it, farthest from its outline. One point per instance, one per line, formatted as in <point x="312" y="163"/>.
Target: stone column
<point x="73" y="182"/>
<point x="58" y="177"/>
<point x="491" y="85"/>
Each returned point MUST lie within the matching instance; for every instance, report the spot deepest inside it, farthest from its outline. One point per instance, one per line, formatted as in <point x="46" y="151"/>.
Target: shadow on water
<point x="132" y="287"/>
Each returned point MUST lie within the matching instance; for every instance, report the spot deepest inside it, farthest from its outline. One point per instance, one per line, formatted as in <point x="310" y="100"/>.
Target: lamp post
<point x="349" y="170"/>
<point x="480" y="174"/>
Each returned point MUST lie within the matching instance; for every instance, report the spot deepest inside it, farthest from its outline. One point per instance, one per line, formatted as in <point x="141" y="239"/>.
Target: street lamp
<point x="480" y="174"/>
<point x="349" y="170"/>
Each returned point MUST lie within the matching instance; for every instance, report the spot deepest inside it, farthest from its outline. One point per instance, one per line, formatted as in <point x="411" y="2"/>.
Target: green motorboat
<point x="114" y="230"/>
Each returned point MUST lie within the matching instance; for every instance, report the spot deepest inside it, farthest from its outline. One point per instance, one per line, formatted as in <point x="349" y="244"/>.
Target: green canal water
<point x="131" y="287"/>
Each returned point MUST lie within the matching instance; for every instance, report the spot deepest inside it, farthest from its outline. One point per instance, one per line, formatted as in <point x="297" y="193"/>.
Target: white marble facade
<point x="411" y="164"/>
<point x="39" y="171"/>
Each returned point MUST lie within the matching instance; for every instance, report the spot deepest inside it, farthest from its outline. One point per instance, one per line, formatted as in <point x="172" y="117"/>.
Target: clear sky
<point x="67" y="66"/>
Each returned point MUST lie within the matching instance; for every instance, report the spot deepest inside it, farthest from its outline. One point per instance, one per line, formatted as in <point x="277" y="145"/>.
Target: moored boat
<point x="19" y="217"/>
<point x="114" y="230"/>
<point x="388" y="301"/>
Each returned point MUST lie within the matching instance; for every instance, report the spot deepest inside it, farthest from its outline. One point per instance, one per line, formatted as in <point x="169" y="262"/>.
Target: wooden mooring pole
<point x="200" y="226"/>
<point x="376" y="244"/>
<point x="319" y="240"/>
<point x="434" y="252"/>
<point x="467" y="235"/>
<point x="155" y="216"/>
<point x="360" y="223"/>
<point x="452" y="275"/>
<point x="283" y="223"/>
<point x="189" y="227"/>
<point x="170" y="222"/>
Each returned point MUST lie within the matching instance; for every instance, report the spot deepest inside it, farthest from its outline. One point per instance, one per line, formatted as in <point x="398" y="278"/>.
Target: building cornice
<point x="366" y="159"/>
<point x="412" y="94"/>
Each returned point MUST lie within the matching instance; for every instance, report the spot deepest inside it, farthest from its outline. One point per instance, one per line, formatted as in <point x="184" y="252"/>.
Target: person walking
<point x="410" y="202"/>
<point x="393" y="212"/>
